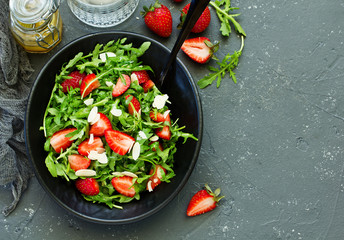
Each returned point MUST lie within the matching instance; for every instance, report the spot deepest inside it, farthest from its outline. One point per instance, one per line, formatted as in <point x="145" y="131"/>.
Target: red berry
<point x="88" y="84"/>
<point x="155" y="179"/>
<point x="78" y="162"/>
<point x="86" y="147"/>
<point x="203" y="201"/>
<point x="202" y="22"/>
<point x="124" y="185"/>
<point x="142" y="76"/>
<point x="199" y="49"/>
<point x="74" y="81"/>
<point x="118" y="141"/>
<point x="134" y="105"/>
<point x="148" y="85"/>
<point x="120" y="87"/>
<point x="87" y="186"/>
<point x="59" y="141"/>
<point x="100" y="126"/>
<point x="163" y="132"/>
<point x="158" y="18"/>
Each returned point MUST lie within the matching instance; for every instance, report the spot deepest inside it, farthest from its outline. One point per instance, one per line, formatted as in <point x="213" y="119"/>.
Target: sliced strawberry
<point x="118" y="141"/>
<point x="59" y="141"/>
<point x="164" y="132"/>
<point x="87" y="186"/>
<point x="120" y="87"/>
<point x="134" y="105"/>
<point x="148" y="85"/>
<point x="155" y="179"/>
<point x="86" y="147"/>
<point x="142" y="76"/>
<point x="100" y="126"/>
<point x="78" y="162"/>
<point x="124" y="185"/>
<point x="159" y="117"/>
<point x="199" y="49"/>
<point x="88" y="84"/>
<point x="203" y="201"/>
<point x="74" y="81"/>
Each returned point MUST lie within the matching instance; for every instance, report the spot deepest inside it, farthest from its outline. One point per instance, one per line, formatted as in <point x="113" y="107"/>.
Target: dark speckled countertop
<point x="273" y="142"/>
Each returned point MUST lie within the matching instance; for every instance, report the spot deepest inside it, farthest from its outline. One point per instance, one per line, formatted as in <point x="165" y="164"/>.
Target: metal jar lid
<point x="32" y="11"/>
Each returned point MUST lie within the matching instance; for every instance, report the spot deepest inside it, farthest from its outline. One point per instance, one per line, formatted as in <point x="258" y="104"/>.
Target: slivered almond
<point x="116" y="112"/>
<point x="136" y="150"/>
<point x="149" y="185"/>
<point x="160" y="101"/>
<point x="142" y="135"/>
<point x="89" y="101"/>
<point x="91" y="140"/>
<point x="154" y="138"/>
<point x="166" y="113"/>
<point x="85" y="173"/>
<point x="92" y="115"/>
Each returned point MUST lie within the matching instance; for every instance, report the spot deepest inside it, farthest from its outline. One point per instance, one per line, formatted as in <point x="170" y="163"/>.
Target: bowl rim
<point x="189" y="170"/>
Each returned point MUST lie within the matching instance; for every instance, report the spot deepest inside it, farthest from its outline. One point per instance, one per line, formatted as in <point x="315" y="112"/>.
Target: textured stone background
<point x="273" y="142"/>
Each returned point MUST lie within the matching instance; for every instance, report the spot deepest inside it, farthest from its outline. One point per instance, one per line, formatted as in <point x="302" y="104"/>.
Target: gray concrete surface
<point x="273" y="142"/>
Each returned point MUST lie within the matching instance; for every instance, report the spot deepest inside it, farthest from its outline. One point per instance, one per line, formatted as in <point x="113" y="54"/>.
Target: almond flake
<point x="130" y="174"/>
<point x="166" y="113"/>
<point x="117" y="174"/>
<point x="131" y="146"/>
<point x="149" y="186"/>
<point x="142" y="135"/>
<point x="89" y="101"/>
<point x="136" y="150"/>
<point x="154" y="138"/>
<point x="95" y="119"/>
<point x="108" y="83"/>
<point x="91" y="140"/>
<point x="102" y="158"/>
<point x="103" y="56"/>
<point x="85" y="173"/>
<point x="93" y="114"/>
<point x="93" y="155"/>
<point x="155" y="180"/>
<point x="133" y="77"/>
<point x="160" y="101"/>
<point x="116" y="112"/>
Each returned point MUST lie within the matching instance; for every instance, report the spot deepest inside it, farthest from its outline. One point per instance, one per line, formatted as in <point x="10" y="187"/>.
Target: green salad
<point x="108" y="128"/>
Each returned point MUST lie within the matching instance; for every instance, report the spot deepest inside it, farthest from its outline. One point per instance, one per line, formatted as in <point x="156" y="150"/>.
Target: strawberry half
<point x="199" y="49"/>
<point x="59" y="141"/>
<point x="159" y="117"/>
<point x="118" y="141"/>
<point x="74" y="81"/>
<point x="163" y="132"/>
<point x="134" y="105"/>
<point x="158" y="18"/>
<point x="124" y="185"/>
<point x="203" y="201"/>
<point x="88" y="84"/>
<point x="202" y="22"/>
<point x="87" y="186"/>
<point x="142" y="76"/>
<point x="100" y="126"/>
<point x="120" y="87"/>
<point x="86" y="147"/>
<point x="78" y="162"/>
<point x="148" y="85"/>
<point x="155" y="179"/>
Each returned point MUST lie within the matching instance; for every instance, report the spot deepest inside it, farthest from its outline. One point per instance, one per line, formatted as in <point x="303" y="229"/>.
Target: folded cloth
<point x="15" y="72"/>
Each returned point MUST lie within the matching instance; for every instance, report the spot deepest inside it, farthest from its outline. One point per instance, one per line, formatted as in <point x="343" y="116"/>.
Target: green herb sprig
<point x="230" y="61"/>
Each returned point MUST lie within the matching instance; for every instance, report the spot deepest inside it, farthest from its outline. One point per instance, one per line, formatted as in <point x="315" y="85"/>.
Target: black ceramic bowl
<point x="185" y="105"/>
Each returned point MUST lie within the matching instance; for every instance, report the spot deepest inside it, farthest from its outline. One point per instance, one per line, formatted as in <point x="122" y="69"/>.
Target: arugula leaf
<point x="228" y="64"/>
<point x="222" y="10"/>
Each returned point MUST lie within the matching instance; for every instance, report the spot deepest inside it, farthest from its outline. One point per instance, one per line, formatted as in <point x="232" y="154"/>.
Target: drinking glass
<point x="102" y="13"/>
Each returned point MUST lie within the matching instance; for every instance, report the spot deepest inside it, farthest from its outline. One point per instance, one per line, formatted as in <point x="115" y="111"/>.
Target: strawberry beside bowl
<point x="186" y="107"/>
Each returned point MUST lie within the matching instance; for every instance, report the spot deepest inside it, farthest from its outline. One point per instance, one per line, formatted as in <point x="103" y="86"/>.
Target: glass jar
<point x="36" y="24"/>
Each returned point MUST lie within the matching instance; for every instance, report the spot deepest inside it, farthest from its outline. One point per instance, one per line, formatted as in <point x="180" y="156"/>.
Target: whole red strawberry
<point x="87" y="186"/>
<point x="158" y="18"/>
<point x="203" y="201"/>
<point x="201" y="24"/>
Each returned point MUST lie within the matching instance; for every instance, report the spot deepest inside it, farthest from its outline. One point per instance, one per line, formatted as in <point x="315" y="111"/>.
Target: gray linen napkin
<point x="15" y="72"/>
